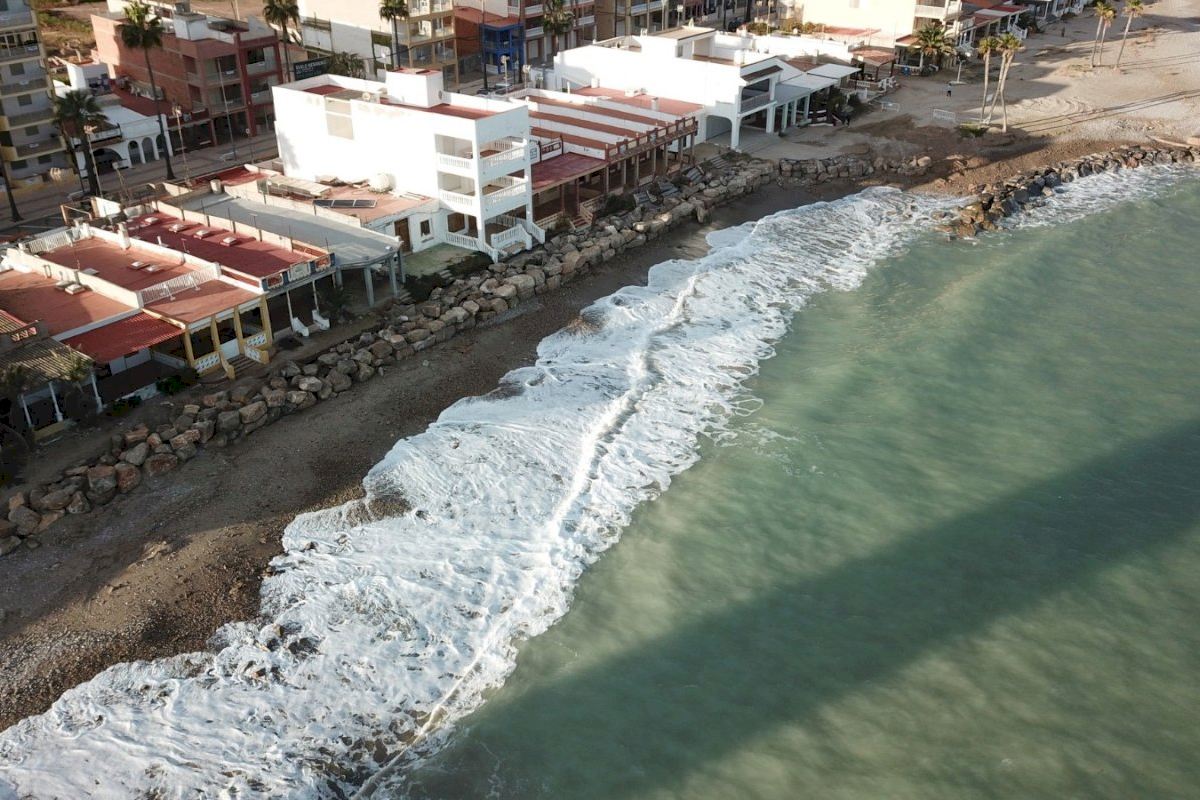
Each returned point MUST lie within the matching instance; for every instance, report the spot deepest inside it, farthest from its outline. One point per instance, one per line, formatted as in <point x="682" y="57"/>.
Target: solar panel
<point x="344" y="203"/>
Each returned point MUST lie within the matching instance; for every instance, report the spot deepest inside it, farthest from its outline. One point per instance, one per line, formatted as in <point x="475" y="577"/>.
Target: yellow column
<point x="237" y="329"/>
<point x="266" y="319"/>
<point x="187" y="347"/>
<point x="212" y="331"/>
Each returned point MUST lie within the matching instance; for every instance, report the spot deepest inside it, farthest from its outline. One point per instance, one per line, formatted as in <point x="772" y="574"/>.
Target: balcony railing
<point x="508" y="237"/>
<point x="260" y="67"/>
<point x="420" y="9"/>
<point x="19" y="52"/>
<point x="38" y="148"/>
<point x="30" y="117"/>
<point x="15" y="87"/>
<point x="457" y="200"/>
<point x="260" y="97"/>
<point x="455" y="162"/>
<point x="13" y="19"/>
<point x="751" y="102"/>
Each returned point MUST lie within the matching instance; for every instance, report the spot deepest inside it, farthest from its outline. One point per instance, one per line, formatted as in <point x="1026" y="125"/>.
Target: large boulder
<point x="54" y="501"/>
<point x="228" y="421"/>
<point x="102" y="480"/>
<point x="206" y="428"/>
<point x="137" y="454"/>
<point x="381" y="349"/>
<point x="128" y="478"/>
<point x="301" y="399"/>
<point x="79" y="504"/>
<point x="136" y="435"/>
<point x="25" y="519"/>
<point x="254" y="412"/>
<point x="339" y="381"/>
<point x="275" y="398"/>
<point x="306" y="384"/>
<point x="160" y="463"/>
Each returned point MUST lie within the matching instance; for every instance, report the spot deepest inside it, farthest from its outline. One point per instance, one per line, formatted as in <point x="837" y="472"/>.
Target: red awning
<point x="123" y="337"/>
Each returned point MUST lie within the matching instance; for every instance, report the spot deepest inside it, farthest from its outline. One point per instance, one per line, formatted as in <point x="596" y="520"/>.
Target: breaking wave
<point x="390" y="617"/>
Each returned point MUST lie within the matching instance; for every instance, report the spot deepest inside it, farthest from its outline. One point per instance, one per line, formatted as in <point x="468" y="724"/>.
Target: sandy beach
<point x="157" y="572"/>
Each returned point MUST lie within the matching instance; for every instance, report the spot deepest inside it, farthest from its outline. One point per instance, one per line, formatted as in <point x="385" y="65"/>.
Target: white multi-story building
<point x="721" y="73"/>
<point x="408" y="135"/>
<point x="426" y="36"/>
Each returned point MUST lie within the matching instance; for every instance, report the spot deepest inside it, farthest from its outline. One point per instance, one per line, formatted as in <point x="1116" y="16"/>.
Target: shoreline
<point x="158" y="571"/>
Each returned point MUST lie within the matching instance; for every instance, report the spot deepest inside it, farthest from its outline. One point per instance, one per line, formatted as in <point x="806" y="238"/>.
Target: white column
<point x="54" y="400"/>
<point x="735" y="131"/>
<point x="96" y="394"/>
<point x="25" y="408"/>
<point x="771" y="118"/>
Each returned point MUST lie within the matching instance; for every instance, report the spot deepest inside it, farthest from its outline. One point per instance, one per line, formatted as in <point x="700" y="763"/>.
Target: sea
<point x="839" y="509"/>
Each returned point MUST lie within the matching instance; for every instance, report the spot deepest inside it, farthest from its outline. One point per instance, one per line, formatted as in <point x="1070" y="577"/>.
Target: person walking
<point x="949" y="88"/>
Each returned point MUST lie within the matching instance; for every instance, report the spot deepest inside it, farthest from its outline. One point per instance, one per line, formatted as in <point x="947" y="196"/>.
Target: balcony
<point x="15" y="19"/>
<point x="502" y="163"/>
<point x="23" y="87"/>
<point x="24" y="52"/>
<point x="504" y="194"/>
<point x="258" y="98"/>
<point x="261" y="68"/>
<point x="420" y="9"/>
<point x="751" y="102"/>
<point x="30" y="117"/>
<point x="36" y="148"/>
<point x="458" y="201"/>
<point x="456" y="163"/>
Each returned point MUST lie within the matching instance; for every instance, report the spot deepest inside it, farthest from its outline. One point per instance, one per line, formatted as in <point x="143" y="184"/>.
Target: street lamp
<point x="177" y="110"/>
<point x="12" y="202"/>
<point x="250" y="145"/>
<point x="87" y="137"/>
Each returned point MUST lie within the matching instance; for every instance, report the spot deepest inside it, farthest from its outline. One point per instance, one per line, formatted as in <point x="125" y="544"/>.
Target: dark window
<point x="25" y="100"/>
<point x="426" y="228"/>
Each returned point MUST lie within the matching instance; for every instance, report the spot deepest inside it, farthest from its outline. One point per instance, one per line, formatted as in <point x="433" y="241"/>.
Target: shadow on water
<point x="859" y="624"/>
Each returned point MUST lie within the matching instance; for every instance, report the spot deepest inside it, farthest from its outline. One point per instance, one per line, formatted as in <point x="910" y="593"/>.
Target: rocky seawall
<point x="137" y="455"/>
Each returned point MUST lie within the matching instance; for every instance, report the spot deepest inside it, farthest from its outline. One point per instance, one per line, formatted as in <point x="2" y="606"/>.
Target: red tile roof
<point x="249" y="256"/>
<point x="677" y="107"/>
<point x="111" y="263"/>
<point x="32" y="297"/>
<point x="123" y="337"/>
<point x="207" y="299"/>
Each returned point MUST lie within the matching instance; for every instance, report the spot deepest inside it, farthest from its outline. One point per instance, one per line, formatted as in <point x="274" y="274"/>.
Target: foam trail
<point x="389" y="619"/>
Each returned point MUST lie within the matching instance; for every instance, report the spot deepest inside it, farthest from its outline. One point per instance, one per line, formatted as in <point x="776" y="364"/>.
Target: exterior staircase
<point x="242" y="365"/>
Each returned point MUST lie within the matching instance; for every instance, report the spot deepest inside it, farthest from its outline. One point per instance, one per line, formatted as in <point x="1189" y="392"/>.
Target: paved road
<point x="39" y="205"/>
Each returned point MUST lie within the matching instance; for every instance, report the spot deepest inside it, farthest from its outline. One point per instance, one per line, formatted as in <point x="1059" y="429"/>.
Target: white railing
<point x="256" y="354"/>
<point x="181" y="283"/>
<point x="536" y="230"/>
<point x="208" y="362"/>
<point x="545" y="223"/>
<point x="454" y="162"/>
<point x="589" y="208"/>
<point x="299" y="328"/>
<point x="319" y="321"/>
<point x="749" y="103"/>
<point x="257" y="340"/>
<point x="457" y="201"/>
<point x="504" y="199"/>
<point x="461" y="240"/>
<point x="510" y="236"/>
<point x="51" y="241"/>
<point x="504" y="161"/>
<point x="1019" y="32"/>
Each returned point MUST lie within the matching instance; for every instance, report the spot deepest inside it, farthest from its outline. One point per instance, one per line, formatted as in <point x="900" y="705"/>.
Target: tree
<point x="391" y="11"/>
<point x="557" y="20"/>
<point x="74" y="112"/>
<point x="986" y="46"/>
<point x="282" y="13"/>
<point x="1008" y="46"/>
<point x="1105" y="12"/>
<point x="346" y="64"/>
<point x="932" y="41"/>
<point x="1133" y="8"/>
<point x="142" y="30"/>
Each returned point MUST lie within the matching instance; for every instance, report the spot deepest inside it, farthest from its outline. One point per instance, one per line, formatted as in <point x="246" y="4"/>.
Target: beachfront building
<point x="426" y="35"/>
<point x="161" y="293"/>
<point x="509" y="35"/>
<point x="408" y="136"/>
<point x="891" y="21"/>
<point x="214" y="75"/>
<point x="125" y="137"/>
<point x="30" y="145"/>
<point x="732" y="85"/>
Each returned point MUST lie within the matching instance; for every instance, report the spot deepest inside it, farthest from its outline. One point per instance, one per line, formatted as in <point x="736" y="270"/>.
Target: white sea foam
<point x="388" y="623"/>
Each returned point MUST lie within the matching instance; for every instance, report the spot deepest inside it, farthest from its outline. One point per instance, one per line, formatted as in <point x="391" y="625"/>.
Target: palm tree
<point x="142" y="30"/>
<point x="282" y="13"/>
<point x="1106" y="12"/>
<point x="932" y="41"/>
<point x="557" y="20"/>
<point x="1133" y="8"/>
<point x="74" y="112"/>
<point x="392" y="10"/>
<point x="986" y="46"/>
<point x="347" y="64"/>
<point x="1008" y="46"/>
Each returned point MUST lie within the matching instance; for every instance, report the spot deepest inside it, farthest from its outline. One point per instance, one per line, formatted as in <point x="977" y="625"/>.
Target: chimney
<point x="123" y="234"/>
<point x="654" y="104"/>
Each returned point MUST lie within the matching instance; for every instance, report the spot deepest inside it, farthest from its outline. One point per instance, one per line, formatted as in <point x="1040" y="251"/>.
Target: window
<point x="45" y="159"/>
<point x="32" y="130"/>
<point x="22" y="164"/>
<point x="18" y="69"/>
<point x="25" y="100"/>
<point x="426" y="228"/>
<point x="256" y="56"/>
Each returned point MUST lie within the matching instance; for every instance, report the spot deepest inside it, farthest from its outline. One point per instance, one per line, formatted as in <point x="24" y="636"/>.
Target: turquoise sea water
<point x="952" y="550"/>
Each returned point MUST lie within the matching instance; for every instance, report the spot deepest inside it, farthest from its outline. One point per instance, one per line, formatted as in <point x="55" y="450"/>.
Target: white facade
<point x="131" y="138"/>
<point x="720" y="72"/>
<point x="410" y="136"/>
<point x="891" y="20"/>
<point x="426" y="37"/>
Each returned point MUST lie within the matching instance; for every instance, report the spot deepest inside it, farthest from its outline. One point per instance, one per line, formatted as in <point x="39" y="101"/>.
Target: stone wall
<point x="223" y="418"/>
<point x="849" y="167"/>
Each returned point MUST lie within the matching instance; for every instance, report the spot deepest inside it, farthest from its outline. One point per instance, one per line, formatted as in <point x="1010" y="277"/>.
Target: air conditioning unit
<point x="150" y="220"/>
<point x="75" y="288"/>
<point x="229" y="241"/>
<point x="200" y="234"/>
<point x="138" y="265"/>
<point x="151" y="268"/>
<point x="177" y="227"/>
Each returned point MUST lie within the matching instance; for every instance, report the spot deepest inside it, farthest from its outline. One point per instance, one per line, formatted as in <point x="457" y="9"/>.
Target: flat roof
<point x="644" y="101"/>
<point x="350" y="243"/>
<point x="447" y="109"/>
<point x="684" y="33"/>
<point x="386" y="205"/>
<point x="560" y="169"/>
<point x="837" y="71"/>
<point x="33" y="297"/>
<point x="248" y="256"/>
<point x="125" y="336"/>
<point x="113" y="264"/>
<point x="601" y="110"/>
<point x="207" y="299"/>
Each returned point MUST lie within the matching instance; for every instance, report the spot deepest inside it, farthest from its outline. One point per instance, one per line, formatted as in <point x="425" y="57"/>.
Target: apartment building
<point x="30" y="144"/>
<point x="426" y="37"/>
<point x="410" y="136"/>
<point x="731" y="84"/>
<point x="218" y="72"/>
<point x="511" y="34"/>
<point x="890" y="21"/>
